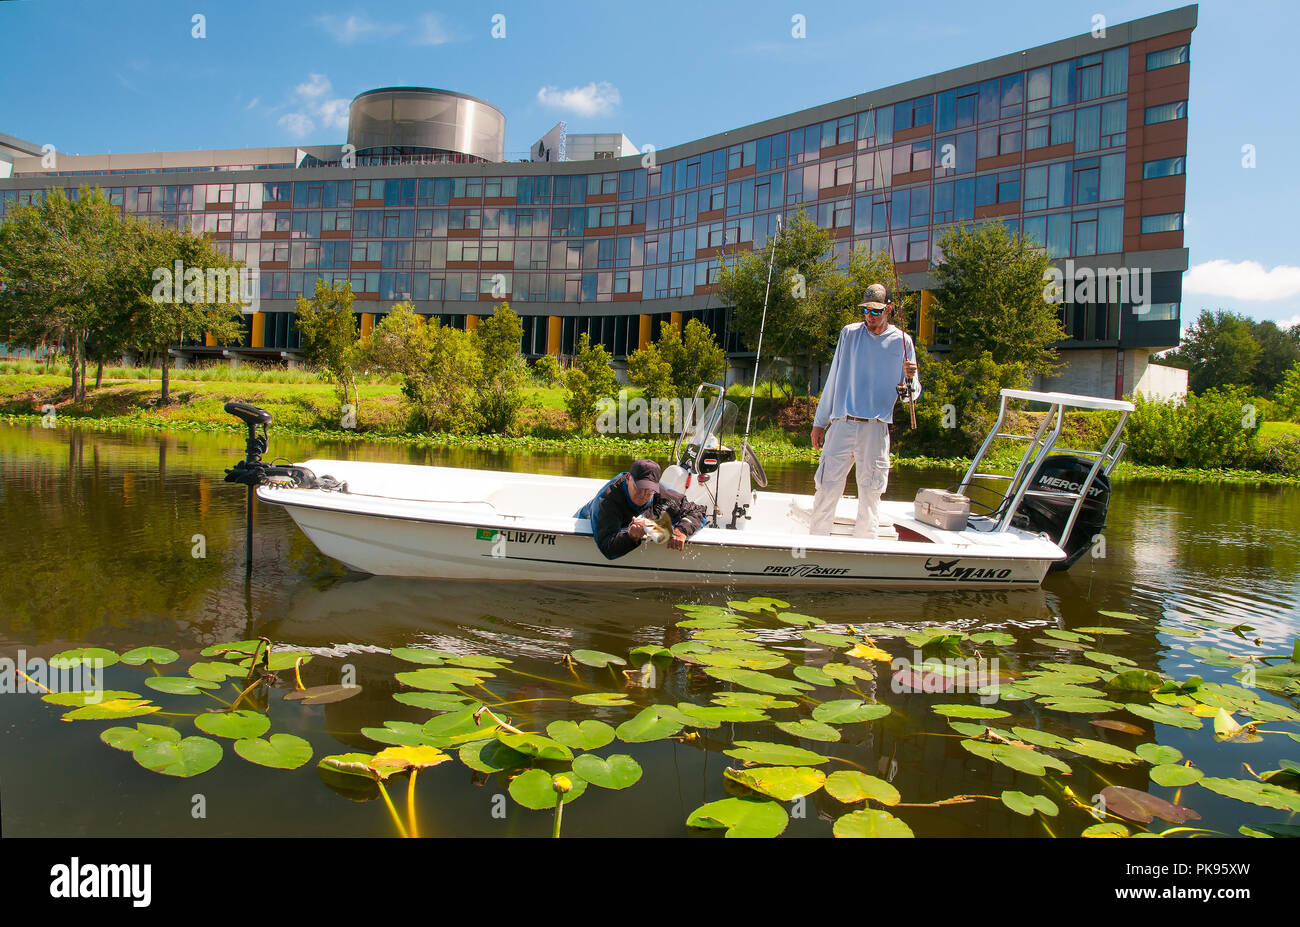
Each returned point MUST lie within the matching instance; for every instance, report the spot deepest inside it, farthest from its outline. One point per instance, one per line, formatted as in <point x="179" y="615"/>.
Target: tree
<point x="990" y="298"/>
<point x="167" y="310"/>
<point x="455" y="371"/>
<point x="589" y="379"/>
<point x="1279" y="350"/>
<point x="328" y="334"/>
<point x="399" y="344"/>
<point x="501" y="395"/>
<point x="1219" y="350"/>
<point x="1287" y="395"/>
<point x="677" y="363"/>
<point x="649" y="370"/>
<point x="546" y="370"/>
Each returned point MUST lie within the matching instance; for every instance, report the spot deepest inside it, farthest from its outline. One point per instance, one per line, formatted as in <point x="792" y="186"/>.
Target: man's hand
<point x="909" y="368"/>
<point x="636" y="531"/>
<point x="678" y="540"/>
<point x="818" y="437"/>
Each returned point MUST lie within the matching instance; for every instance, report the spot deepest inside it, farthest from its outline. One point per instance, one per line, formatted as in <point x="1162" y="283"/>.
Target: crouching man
<point x="619" y="512"/>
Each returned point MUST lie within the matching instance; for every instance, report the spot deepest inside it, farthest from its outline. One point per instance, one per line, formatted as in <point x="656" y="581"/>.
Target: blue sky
<point x="91" y="77"/>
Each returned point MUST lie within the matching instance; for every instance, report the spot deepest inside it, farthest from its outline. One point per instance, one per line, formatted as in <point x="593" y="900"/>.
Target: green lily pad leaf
<point x="764" y="753"/>
<point x="754" y="607"/>
<point x="393" y="760"/>
<point x="420" y="655"/>
<point x="743" y="659"/>
<point x="849" y="786"/>
<point x="1143" y="806"/>
<point x="236" y="725"/>
<point x="1256" y="793"/>
<point x="1138" y="680"/>
<point x="848" y="710"/>
<point x="397" y="734"/>
<point x="1107" y="659"/>
<point x="969" y="711"/>
<point x="1021" y="803"/>
<point x="1084" y="706"/>
<point x="602" y="699"/>
<point x="1123" y="616"/>
<point x="1100" y="750"/>
<point x="784" y="783"/>
<point x="443" y="678"/>
<point x="1057" y="688"/>
<point x="870" y="823"/>
<point x="131" y="738"/>
<point x="1109" y="829"/>
<point x="814" y="675"/>
<point x="66" y="659"/>
<point x="184" y="758"/>
<point x="750" y="700"/>
<point x="491" y="756"/>
<point x="1158" y="755"/>
<point x="1059" y="644"/>
<point x="1271" y="711"/>
<point x="215" y="671"/>
<point x="239" y="648"/>
<point x="741" y="817"/>
<point x="1040" y="738"/>
<point x="1177" y="632"/>
<point x="1175" y="776"/>
<point x="830" y="638"/>
<point x="810" y="730"/>
<point x="1270" y="830"/>
<point x="996" y="638"/>
<point x="436" y="701"/>
<point x="1070" y="636"/>
<point x="323" y="695"/>
<point x="617" y="772"/>
<point x="279" y="751"/>
<point x="713" y="635"/>
<point x="646" y="652"/>
<point x="1122" y="726"/>
<point x="1005" y="692"/>
<point x="112" y="708"/>
<point x="178" y="685"/>
<point x="1078" y="672"/>
<point x="88" y="697"/>
<point x="1102" y="630"/>
<point x="1021" y="759"/>
<point x="711" y="623"/>
<point x="735" y="714"/>
<point x="649" y="724"/>
<point x="598" y="659"/>
<point x="142" y="655"/>
<point x="457" y="727"/>
<point x="544" y="748"/>
<point x="797" y="619"/>
<point x="587" y="735"/>
<point x="846" y="673"/>
<point x="536" y="789"/>
<point x="478" y="660"/>
<point x="759" y="682"/>
<point x="1166" y="714"/>
<point x="763" y="601"/>
<point x="966" y="729"/>
<point x="349" y="764"/>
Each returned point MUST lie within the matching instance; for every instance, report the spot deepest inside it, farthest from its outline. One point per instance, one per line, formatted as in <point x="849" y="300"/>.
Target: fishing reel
<point x="905" y="392"/>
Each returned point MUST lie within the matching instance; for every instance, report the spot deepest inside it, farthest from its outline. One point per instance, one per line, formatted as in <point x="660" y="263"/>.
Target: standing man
<point x="872" y="360"/>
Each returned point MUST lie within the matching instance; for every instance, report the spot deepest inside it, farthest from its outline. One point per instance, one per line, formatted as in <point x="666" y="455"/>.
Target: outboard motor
<point x="1066" y="473"/>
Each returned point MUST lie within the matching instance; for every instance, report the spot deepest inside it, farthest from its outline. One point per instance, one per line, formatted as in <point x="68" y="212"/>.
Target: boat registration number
<point x="511" y="536"/>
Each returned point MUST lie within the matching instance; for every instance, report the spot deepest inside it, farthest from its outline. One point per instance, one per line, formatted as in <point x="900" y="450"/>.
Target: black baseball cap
<point x="645" y="474"/>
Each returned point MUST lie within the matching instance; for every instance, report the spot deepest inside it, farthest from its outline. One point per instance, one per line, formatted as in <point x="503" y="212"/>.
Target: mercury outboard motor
<point x="1065" y="473"/>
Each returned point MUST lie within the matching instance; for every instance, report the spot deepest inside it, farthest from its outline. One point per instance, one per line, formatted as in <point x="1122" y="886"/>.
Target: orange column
<point x="471" y="322"/>
<point x="924" y="327"/>
<point x="554" y="330"/>
<point x="676" y="319"/>
<point x="259" y="330"/>
<point x="367" y="324"/>
<point x="643" y="334"/>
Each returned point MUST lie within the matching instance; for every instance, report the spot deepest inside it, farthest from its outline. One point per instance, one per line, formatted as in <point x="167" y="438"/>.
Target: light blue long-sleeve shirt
<point x="864" y="375"/>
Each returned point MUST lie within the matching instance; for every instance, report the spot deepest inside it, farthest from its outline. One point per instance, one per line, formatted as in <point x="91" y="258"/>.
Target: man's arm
<point x="687" y="516"/>
<point x="611" y="531"/>
<point x="822" y="417"/>
<point x="910" y="354"/>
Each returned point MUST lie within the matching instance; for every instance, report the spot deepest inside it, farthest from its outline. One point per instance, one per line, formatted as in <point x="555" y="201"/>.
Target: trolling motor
<point x="252" y="471"/>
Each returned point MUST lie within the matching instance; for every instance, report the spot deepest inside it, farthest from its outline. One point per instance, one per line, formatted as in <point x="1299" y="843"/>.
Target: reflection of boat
<point x="450" y="523"/>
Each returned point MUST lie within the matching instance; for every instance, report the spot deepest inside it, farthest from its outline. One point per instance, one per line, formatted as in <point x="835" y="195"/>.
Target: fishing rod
<point x="761" y="325"/>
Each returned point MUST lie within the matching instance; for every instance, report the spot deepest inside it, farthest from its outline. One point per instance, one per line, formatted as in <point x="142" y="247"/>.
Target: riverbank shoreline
<point x="609" y="445"/>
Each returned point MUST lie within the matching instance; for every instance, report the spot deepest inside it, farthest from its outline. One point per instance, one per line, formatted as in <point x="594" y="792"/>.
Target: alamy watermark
<point x="641" y="416"/>
<point x="208" y="286"/>
<point x="39" y="677"/>
<point x="1099" y="285"/>
<point x="932" y="675"/>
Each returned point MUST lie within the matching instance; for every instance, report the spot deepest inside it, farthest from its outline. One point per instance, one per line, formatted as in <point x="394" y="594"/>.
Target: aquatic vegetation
<point x="789" y="701"/>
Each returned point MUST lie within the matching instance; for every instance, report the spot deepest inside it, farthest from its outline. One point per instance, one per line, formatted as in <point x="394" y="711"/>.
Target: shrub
<point x="587" y="381"/>
<point x="1213" y="430"/>
<point x="546" y="370"/>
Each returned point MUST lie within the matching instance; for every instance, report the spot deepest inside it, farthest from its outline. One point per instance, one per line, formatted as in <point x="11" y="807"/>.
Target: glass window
<point x="1089" y="79"/>
<point x="989" y="100"/>
<point x="1110" y="230"/>
<point x="1013" y="95"/>
<point x="1063" y="128"/>
<point x="1058" y="185"/>
<point x="1167" y="57"/>
<point x="1035" y="188"/>
<point x="1168" y="222"/>
<point x="1166" y="112"/>
<point x="1087" y="130"/>
<point x="1160" y="312"/>
<point x="1165" y="167"/>
<point x="1087" y="180"/>
<point x="1114" y="123"/>
<point x="1036" y="230"/>
<point x="964" y="199"/>
<point x="1062" y="83"/>
<point x="947" y="111"/>
<point x="1040" y="89"/>
<point x="1112" y="177"/>
<point x="1114" y="71"/>
<point x="1037" y="134"/>
<point x="1058" y="235"/>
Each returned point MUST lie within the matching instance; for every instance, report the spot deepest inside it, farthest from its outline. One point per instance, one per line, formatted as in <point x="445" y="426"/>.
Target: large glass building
<point x="1081" y="144"/>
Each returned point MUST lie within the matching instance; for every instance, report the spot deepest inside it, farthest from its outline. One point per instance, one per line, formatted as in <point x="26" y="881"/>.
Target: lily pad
<point x="784" y="783"/>
<point x="132" y="738"/>
<point x="830" y="638"/>
<point x="83" y="655"/>
<point x="1021" y="759"/>
<point x="870" y="823"/>
<point x="1039" y="738"/>
<point x="420" y="655"/>
<point x="586" y="735"/>
<point x="111" y="709"/>
<point x="1175" y="776"/>
<point x="536" y="789"/>
<point x="88" y="697"/>
<point x="1158" y="755"/>
<point x="848" y="711"/>
<point x="969" y="711"/>
<point x="796" y="618"/>
<point x="772" y="754"/>
<point x="443" y="678"/>
<point x="1021" y="803"/>
<point x="996" y="638"/>
<point x="750" y="700"/>
<point x="616" y="772"/>
<point x="759" y="682"/>
<point x="1085" y="706"/>
<point x="435" y="701"/>
<point x="849" y="786"/>
<point x="1256" y="793"/>
<point x="324" y="695"/>
<point x="544" y="748"/>
<point x="1166" y="714"/>
<point x="1138" y="680"/>
<point x="597" y="658"/>
<point x="809" y="730"/>
<point x="1109" y="829"/>
<point x="491" y="756"/>
<point x="184" y="758"/>
<point x="741" y="817"/>
<point x="142" y="655"/>
<point x="1143" y="806"/>
<point x="396" y="759"/>
<point x="236" y="725"/>
<point x="1100" y="750"/>
<point x="649" y="724"/>
<point x="814" y="675"/>
<point x="179" y="685"/>
<point x="215" y="671"/>
<point x="279" y="751"/>
<point x="603" y="699"/>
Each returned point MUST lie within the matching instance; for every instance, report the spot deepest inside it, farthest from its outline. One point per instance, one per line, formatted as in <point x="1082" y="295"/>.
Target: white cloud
<point x="253" y="102"/>
<point x="312" y="103"/>
<point x="431" y="31"/>
<point x="298" y="124"/>
<point x="592" y="100"/>
<point x="350" y="29"/>
<point x="1246" y="280"/>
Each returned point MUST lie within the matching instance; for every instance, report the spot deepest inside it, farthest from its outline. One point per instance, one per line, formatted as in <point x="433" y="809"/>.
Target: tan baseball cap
<point x="876" y="297"/>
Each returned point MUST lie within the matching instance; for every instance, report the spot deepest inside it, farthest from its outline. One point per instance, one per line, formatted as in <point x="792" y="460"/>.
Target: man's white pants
<point x="849" y="442"/>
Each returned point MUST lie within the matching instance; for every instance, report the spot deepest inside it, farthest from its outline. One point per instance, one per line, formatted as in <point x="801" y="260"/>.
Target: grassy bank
<point x="303" y="406"/>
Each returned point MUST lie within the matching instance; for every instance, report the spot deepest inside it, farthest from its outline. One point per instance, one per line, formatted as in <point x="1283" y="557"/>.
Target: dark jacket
<point x="611" y="511"/>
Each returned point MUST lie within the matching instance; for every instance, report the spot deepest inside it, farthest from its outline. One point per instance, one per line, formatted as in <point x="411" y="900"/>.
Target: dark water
<point x="97" y="533"/>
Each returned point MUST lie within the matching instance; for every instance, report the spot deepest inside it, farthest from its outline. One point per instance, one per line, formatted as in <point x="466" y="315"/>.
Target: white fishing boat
<point x="464" y="524"/>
